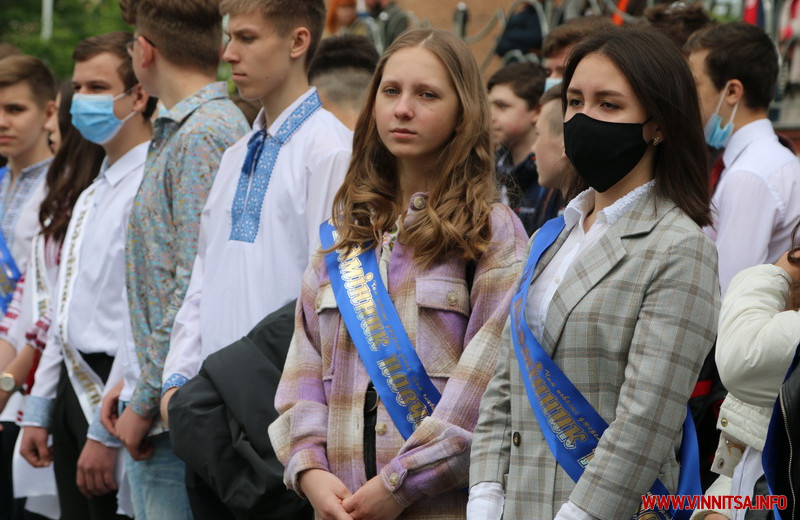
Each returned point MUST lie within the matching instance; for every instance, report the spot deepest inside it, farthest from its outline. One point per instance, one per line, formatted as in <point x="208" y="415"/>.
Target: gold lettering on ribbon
<point x="356" y="283"/>
<point x="400" y="385"/>
<point x="559" y="419"/>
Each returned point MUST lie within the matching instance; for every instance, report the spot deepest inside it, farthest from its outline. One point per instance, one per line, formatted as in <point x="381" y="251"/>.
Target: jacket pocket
<point x="443" y="313"/>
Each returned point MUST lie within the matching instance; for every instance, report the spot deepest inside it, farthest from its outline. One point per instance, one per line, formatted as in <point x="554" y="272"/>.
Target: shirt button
<point x="452" y="299"/>
<point x="418" y="202"/>
<point x="394" y="479"/>
<point x="380" y="428"/>
<point x="558" y="279"/>
<point x="516" y="439"/>
<point x="724" y="422"/>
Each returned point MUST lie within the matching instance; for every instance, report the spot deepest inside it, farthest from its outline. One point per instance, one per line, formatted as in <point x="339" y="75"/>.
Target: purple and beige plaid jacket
<point x="456" y="334"/>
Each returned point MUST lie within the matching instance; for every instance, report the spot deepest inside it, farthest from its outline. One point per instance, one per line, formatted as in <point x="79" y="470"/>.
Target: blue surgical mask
<point x="717" y="136"/>
<point x="550" y="83"/>
<point x="93" y="116"/>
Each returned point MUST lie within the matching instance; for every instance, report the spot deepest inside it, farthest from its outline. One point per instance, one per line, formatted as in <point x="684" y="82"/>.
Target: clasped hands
<point x="333" y="501"/>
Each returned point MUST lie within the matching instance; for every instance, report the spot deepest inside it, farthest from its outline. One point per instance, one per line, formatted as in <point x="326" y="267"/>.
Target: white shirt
<point x="757" y="201"/>
<point x="99" y="321"/>
<point x="235" y="284"/>
<point x="486" y="499"/>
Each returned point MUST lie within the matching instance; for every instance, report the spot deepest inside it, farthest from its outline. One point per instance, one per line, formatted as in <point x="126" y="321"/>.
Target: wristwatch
<point x="8" y="383"/>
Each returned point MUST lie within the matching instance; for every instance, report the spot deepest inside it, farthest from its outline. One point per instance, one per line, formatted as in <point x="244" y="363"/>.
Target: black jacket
<point x="218" y="423"/>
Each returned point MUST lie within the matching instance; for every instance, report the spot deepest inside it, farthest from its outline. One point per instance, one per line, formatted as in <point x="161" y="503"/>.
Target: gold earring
<point x="656" y="141"/>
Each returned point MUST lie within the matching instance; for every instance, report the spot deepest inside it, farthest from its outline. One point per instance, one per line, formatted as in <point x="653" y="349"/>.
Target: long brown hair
<point x="456" y="218"/>
<point x="73" y="169"/>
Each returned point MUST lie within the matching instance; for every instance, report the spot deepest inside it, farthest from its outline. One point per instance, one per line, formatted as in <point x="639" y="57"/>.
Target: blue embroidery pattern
<point x="262" y="152"/>
<point x="174" y="381"/>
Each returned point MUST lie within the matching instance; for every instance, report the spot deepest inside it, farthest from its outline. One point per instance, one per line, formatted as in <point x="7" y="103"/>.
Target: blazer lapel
<point x="588" y="270"/>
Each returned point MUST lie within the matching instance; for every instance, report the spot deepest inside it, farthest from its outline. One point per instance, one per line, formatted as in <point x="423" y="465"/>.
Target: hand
<point x="373" y="502"/>
<point x="165" y="404"/>
<point x="793" y="270"/>
<point x="34" y="447"/>
<point x="715" y="516"/>
<point x="325" y="492"/>
<point x="109" y="407"/>
<point x="96" y="469"/>
<point x="132" y="430"/>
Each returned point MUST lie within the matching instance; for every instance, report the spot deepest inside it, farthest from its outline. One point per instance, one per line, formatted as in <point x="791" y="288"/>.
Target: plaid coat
<point x="630" y="326"/>
<point x="456" y="334"/>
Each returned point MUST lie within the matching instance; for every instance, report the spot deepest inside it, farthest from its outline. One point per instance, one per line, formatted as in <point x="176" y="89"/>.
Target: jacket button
<point x="723" y="422"/>
<point x="452" y="299"/>
<point x="516" y="439"/>
<point x="380" y="428"/>
<point x="418" y="202"/>
<point x="394" y="478"/>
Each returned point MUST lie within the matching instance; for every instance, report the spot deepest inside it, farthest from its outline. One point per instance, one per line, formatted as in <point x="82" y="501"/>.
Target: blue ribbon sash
<point x="9" y="273"/>
<point x="391" y="361"/>
<point x="569" y="423"/>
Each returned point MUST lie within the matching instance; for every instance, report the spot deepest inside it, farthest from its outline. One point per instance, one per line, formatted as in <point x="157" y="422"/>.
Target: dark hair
<point x="113" y="43"/>
<point x="742" y="51"/>
<point x="20" y="68"/>
<point x="525" y="79"/>
<point x="660" y="77"/>
<point x="678" y="20"/>
<point x="187" y="33"/>
<point x="573" y="31"/>
<point x="556" y="124"/>
<point x="73" y="169"/>
<point x="285" y="15"/>
<point x="347" y="51"/>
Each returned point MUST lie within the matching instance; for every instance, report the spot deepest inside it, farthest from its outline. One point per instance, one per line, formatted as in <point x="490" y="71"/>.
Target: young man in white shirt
<point x="272" y="191"/>
<point x="756" y="186"/>
<point x="91" y="324"/>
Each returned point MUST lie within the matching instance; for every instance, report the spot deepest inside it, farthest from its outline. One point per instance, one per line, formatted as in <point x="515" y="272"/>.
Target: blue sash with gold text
<point x="9" y="273"/>
<point x="391" y="361"/>
<point x="569" y="423"/>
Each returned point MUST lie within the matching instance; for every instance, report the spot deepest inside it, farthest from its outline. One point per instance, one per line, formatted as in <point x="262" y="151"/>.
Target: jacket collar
<point x="588" y="270"/>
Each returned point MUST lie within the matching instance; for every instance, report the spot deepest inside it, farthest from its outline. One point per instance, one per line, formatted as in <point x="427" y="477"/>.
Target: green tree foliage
<point x="73" y="20"/>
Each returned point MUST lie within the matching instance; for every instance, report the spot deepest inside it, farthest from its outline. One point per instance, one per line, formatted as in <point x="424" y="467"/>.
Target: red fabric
<point x="751" y="12"/>
<point x="716" y="171"/>
<point x="701" y="388"/>
<point x="616" y="17"/>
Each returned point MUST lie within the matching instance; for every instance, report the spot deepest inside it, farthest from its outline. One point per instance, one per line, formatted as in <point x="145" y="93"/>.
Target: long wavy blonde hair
<point x="456" y="218"/>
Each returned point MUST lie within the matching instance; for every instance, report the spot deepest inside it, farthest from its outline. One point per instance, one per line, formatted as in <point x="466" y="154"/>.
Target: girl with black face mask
<point x="617" y="306"/>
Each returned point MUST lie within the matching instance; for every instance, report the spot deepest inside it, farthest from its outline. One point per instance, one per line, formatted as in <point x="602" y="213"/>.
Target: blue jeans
<point x="158" y="491"/>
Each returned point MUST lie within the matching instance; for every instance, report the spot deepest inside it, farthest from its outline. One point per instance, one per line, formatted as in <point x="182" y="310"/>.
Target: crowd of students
<point x="505" y="289"/>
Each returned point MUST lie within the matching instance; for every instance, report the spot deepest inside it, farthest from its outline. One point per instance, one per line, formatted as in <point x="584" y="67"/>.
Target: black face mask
<point x="601" y="151"/>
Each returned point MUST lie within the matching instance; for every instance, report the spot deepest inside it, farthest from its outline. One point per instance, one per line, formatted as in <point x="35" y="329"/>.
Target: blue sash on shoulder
<point x="569" y="423"/>
<point x="9" y="273"/>
<point x="375" y="328"/>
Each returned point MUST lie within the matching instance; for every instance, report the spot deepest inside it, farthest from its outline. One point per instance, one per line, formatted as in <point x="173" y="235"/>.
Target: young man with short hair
<point x="341" y="70"/>
<point x="514" y="93"/>
<point x="91" y="324"/>
<point x="175" y="55"/>
<point x="755" y="185"/>
<point x="556" y="173"/>
<point x="273" y="190"/>
<point x="27" y="94"/>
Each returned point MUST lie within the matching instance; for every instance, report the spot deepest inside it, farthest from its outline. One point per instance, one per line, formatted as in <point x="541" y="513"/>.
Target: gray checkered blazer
<point x="630" y="326"/>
